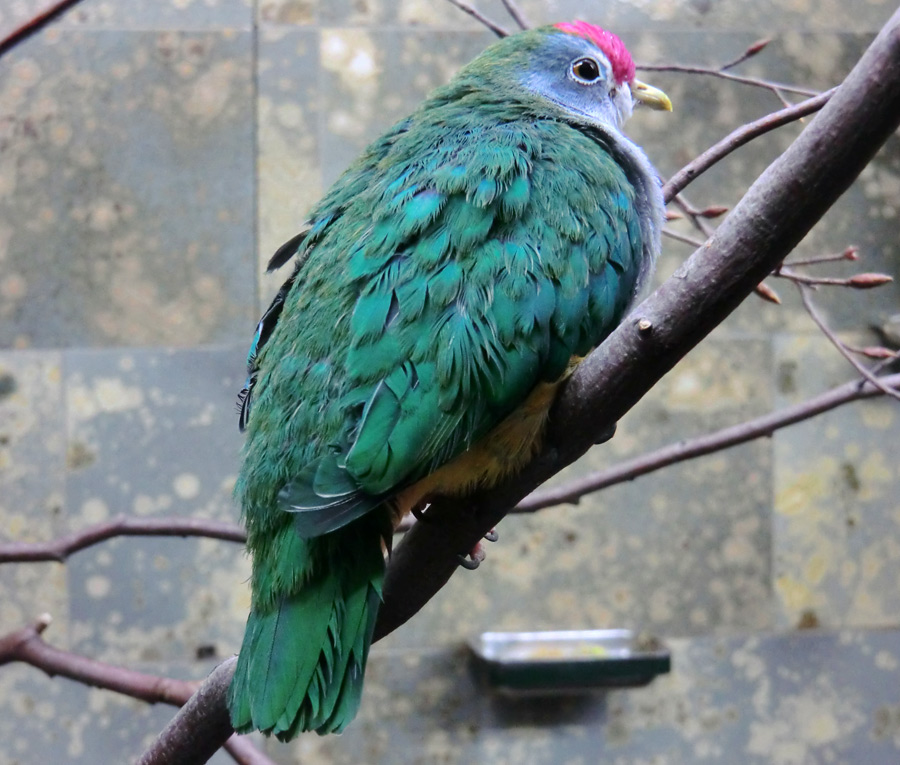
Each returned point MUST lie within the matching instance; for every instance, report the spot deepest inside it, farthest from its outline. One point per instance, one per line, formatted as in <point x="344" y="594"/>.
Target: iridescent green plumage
<point x="463" y="259"/>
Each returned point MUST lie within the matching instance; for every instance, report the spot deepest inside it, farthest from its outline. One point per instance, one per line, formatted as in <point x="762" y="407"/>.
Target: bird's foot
<point x="473" y="560"/>
<point x="492" y="535"/>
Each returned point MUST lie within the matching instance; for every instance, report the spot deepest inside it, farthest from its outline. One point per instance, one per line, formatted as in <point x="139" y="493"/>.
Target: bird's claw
<point x="473" y="560"/>
<point x="470" y="564"/>
<point x="492" y="535"/>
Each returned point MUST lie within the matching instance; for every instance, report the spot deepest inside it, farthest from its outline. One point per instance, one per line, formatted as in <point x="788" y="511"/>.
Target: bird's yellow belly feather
<point x="503" y="450"/>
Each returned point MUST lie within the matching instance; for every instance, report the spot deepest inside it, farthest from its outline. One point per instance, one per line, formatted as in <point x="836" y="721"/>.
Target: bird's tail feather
<point x="302" y="662"/>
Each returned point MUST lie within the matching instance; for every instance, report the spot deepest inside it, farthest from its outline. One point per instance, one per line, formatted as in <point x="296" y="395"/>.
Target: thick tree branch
<point x="777" y="211"/>
<point x="196" y="732"/>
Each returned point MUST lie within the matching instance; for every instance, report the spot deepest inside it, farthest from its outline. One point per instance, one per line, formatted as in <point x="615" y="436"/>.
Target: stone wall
<point x="154" y="153"/>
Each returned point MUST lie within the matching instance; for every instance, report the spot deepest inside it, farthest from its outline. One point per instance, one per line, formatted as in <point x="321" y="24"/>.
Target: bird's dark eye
<point x="586" y="70"/>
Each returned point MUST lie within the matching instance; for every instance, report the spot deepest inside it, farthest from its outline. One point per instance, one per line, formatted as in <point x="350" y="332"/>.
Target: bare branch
<point x="781" y="97"/>
<point x="877" y="352"/>
<point x="28" y="646"/>
<point x="512" y="8"/>
<point x="865" y="281"/>
<point x="755" y="48"/>
<point x="34" y="25"/>
<point x="775" y="87"/>
<point x="842" y="349"/>
<point x="120" y="526"/>
<point x="199" y="728"/>
<point x="697" y="447"/>
<point x="480" y="17"/>
<point x="678" y="237"/>
<point x="58" y="550"/>
<point x="738" y="138"/>
<point x="242" y="751"/>
<point x="850" y="253"/>
<point x="692" y="214"/>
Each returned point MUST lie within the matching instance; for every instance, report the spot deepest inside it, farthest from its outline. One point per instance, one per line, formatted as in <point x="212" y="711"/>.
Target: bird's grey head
<point x="588" y="73"/>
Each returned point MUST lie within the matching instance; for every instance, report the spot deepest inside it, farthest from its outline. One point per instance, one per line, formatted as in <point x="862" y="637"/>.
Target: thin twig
<point x="244" y="752"/>
<point x="850" y="253"/>
<point x="711" y="72"/>
<point x="779" y="94"/>
<point x="512" y="8"/>
<point x="35" y="24"/>
<point x="857" y="281"/>
<point x="738" y="138"/>
<point x="480" y="17"/>
<point x="120" y="526"/>
<point x="693" y="215"/>
<point x="884" y="355"/>
<point x="749" y="53"/>
<point x="682" y="238"/>
<point x="835" y="341"/>
<point x="58" y="550"/>
<point x="697" y="447"/>
<point x="27" y="645"/>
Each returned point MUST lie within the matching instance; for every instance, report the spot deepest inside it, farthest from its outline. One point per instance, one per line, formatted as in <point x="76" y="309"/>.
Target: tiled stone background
<point x="154" y="153"/>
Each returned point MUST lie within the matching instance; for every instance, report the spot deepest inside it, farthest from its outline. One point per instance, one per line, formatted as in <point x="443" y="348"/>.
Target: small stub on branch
<point x="644" y="326"/>
<point x="767" y="293"/>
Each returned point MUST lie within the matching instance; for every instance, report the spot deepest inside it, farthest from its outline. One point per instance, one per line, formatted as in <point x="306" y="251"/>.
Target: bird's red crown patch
<point x="613" y="48"/>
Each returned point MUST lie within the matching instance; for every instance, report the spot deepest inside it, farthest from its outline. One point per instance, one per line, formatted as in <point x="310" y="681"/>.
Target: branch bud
<point x="757" y="47"/>
<point x="877" y="352"/>
<point x="767" y="293"/>
<point x="868" y="281"/>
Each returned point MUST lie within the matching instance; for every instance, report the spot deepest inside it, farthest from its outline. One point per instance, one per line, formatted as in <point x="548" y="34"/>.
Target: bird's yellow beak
<point x="649" y="96"/>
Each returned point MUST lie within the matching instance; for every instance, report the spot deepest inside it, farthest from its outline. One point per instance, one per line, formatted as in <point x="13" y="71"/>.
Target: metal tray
<point x="568" y="661"/>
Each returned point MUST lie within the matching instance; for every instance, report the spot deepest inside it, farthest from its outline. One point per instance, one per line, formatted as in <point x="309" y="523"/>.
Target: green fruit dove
<point x="442" y="289"/>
